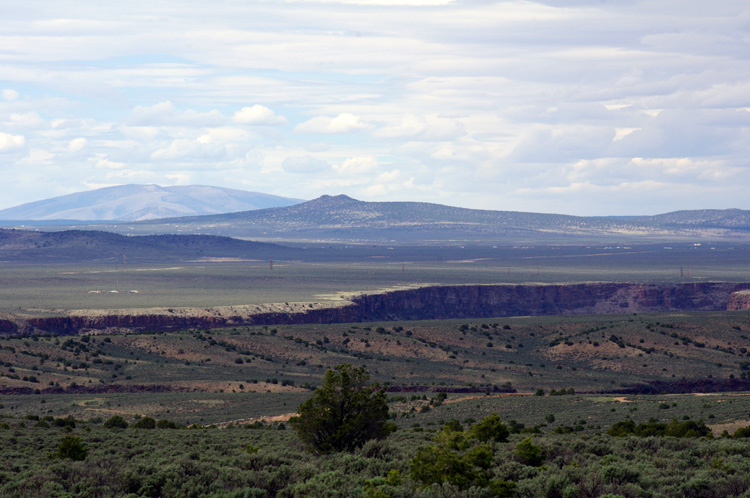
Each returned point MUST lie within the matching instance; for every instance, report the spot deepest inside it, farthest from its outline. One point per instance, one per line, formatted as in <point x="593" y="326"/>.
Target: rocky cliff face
<point x="519" y="300"/>
<point x="739" y="300"/>
<point x="465" y="301"/>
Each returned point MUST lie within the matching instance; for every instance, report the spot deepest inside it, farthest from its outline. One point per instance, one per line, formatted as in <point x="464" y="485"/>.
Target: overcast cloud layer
<point x="594" y="108"/>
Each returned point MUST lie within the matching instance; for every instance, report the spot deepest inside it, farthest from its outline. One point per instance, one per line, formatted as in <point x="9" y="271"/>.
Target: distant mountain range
<point x="345" y="219"/>
<point x="144" y="202"/>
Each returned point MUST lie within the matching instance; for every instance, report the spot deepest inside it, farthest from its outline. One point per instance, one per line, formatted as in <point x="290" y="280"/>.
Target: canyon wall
<point x="523" y="300"/>
<point x="440" y="302"/>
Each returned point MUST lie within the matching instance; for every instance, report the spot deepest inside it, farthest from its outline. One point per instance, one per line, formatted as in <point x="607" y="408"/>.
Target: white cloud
<point x="357" y="165"/>
<point x="9" y="94"/>
<point x="179" y="178"/>
<point x="165" y="113"/>
<point x="143" y="133"/>
<point x="431" y="127"/>
<point x="343" y="123"/>
<point x="38" y="156"/>
<point x="258" y="115"/>
<point x="76" y="144"/>
<point x="10" y="142"/>
<point x="389" y="176"/>
<point x="304" y="165"/>
<point x="101" y="161"/>
<point x="27" y="121"/>
<point x="200" y="148"/>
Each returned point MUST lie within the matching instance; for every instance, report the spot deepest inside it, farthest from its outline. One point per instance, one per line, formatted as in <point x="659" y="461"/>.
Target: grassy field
<point x="44" y="289"/>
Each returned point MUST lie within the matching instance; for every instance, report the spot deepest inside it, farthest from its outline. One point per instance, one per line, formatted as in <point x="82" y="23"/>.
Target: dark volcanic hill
<point x="345" y="219"/>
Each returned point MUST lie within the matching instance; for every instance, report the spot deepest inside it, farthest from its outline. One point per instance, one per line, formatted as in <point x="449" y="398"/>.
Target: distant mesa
<point x="341" y="218"/>
<point x="144" y="202"/>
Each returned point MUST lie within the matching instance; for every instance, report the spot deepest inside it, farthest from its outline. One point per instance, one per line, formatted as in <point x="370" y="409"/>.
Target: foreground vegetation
<point x="272" y="462"/>
<point x="343" y="445"/>
<point x="521" y="407"/>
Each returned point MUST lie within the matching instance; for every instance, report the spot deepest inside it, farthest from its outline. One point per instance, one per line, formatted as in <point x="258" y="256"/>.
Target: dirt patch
<point x="730" y="427"/>
<point x="611" y="399"/>
<point x="270" y="419"/>
<point x="484" y="396"/>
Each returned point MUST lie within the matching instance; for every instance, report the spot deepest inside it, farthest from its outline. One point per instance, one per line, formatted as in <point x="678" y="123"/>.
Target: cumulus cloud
<point x="10" y="142"/>
<point x="432" y="127"/>
<point x="101" y="161"/>
<point x="165" y="113"/>
<point x="197" y="149"/>
<point x="258" y="115"/>
<point x="304" y="165"/>
<point x="27" y="121"/>
<point x="343" y="123"/>
<point x="77" y="144"/>
<point x="9" y="94"/>
<point x="357" y="165"/>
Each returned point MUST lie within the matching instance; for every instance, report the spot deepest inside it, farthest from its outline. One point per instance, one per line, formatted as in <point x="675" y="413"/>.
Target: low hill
<point x="143" y="202"/>
<point x="22" y="246"/>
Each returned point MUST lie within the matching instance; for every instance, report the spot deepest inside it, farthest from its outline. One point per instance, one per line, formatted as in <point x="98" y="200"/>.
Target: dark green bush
<point x="490" y="428"/>
<point x="71" y="448"/>
<point x="115" y="422"/>
<point x="530" y="454"/>
<point x="653" y="428"/>
<point x="453" y="459"/>
<point x="144" y="423"/>
<point x="165" y="424"/>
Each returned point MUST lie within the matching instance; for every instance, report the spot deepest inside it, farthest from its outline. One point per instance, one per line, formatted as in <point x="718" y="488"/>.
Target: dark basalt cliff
<point x="523" y="300"/>
<point x="464" y="301"/>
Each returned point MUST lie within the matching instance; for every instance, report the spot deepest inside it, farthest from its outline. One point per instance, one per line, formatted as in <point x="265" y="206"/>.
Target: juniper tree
<point x="343" y="413"/>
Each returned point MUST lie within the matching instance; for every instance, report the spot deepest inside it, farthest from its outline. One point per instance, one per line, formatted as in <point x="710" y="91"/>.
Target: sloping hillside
<point x="22" y="246"/>
<point x="343" y="218"/>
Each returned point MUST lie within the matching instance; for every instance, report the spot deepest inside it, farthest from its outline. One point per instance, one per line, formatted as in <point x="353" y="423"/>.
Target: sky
<point x="586" y="107"/>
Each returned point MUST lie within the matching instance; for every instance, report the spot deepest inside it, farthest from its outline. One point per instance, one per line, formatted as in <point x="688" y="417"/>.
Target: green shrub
<point x="71" y="448"/>
<point x="653" y="428"/>
<point x="453" y="460"/>
<point x="115" y="422"/>
<point x="490" y="428"/>
<point x="165" y="424"/>
<point x="453" y="425"/>
<point x="145" y="423"/>
<point x="529" y="454"/>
